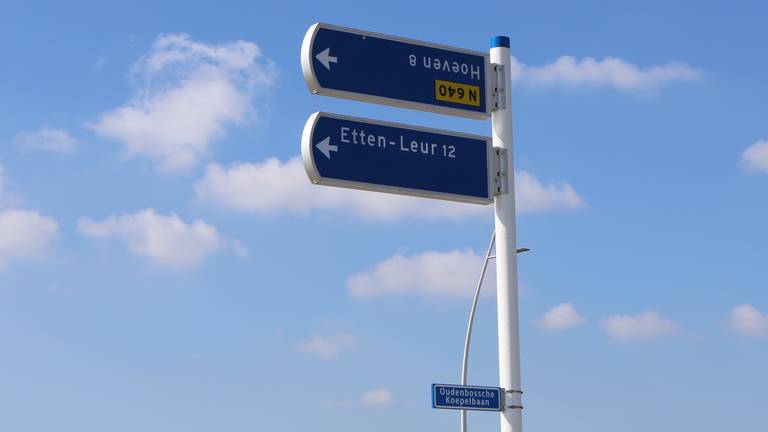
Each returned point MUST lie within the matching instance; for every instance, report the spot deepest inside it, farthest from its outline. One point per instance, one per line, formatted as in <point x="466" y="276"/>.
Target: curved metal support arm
<point x="468" y="338"/>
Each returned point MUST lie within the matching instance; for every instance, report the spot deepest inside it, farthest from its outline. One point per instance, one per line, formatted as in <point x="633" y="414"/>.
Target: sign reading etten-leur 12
<point x="388" y="157"/>
<point x="371" y="67"/>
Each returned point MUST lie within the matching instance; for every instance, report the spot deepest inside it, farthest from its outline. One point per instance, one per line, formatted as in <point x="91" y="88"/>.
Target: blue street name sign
<point x="388" y="157"/>
<point x="372" y="67"/>
<point x="446" y="396"/>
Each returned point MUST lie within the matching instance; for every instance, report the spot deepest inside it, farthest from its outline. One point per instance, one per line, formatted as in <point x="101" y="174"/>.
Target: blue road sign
<point x="408" y="160"/>
<point x="447" y="396"/>
<point x="372" y="67"/>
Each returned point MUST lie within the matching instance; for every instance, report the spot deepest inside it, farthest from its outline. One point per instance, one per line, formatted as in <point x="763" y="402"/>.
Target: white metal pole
<point x="506" y="256"/>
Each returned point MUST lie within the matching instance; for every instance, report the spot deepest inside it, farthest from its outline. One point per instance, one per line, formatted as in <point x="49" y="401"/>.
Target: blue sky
<point x="165" y="264"/>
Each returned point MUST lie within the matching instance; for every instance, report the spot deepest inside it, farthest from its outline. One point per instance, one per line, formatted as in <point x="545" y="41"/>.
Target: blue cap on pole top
<point x="500" y="41"/>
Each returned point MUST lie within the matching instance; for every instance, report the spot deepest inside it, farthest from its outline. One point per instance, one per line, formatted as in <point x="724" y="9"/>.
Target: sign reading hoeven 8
<point x="370" y="67"/>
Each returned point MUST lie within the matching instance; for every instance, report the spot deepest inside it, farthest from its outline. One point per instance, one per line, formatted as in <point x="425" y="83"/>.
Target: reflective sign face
<point x="387" y="157"/>
<point x="370" y="67"/>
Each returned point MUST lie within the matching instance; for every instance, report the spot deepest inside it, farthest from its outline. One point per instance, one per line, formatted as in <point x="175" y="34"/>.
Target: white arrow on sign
<point x="326" y="58"/>
<point x="326" y="147"/>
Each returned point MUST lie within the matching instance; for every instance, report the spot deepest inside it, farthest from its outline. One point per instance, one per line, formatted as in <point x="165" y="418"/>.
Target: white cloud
<point x="608" y="72"/>
<point x="240" y="250"/>
<point x="273" y="186"/>
<point x="381" y="397"/>
<point x="449" y="274"/>
<point x="755" y="157"/>
<point x="166" y="240"/>
<point x="560" y="317"/>
<point x="188" y="93"/>
<point x="24" y="234"/>
<point x="54" y="140"/>
<point x="533" y="196"/>
<point x="327" y="347"/>
<point x="750" y="322"/>
<point x="645" y="326"/>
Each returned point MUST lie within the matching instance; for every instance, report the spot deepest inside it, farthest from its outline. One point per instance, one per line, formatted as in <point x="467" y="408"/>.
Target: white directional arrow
<point x="326" y="58"/>
<point x="326" y="147"/>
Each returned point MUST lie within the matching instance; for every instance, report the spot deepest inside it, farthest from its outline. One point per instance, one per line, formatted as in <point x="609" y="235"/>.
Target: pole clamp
<point x="498" y="95"/>
<point x="500" y="174"/>
<point x="509" y="394"/>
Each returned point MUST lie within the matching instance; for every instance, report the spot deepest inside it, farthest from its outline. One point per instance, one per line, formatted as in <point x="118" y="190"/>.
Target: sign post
<point x="506" y="252"/>
<point x="387" y="157"/>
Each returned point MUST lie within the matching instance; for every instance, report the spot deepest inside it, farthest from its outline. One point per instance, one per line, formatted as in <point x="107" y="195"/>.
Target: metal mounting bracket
<point x="508" y="394"/>
<point x="500" y="174"/>
<point x="498" y="95"/>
